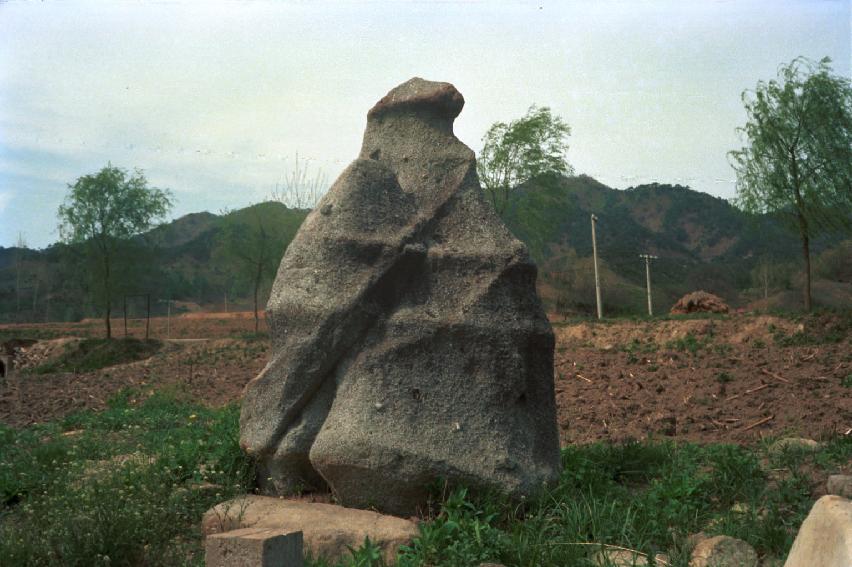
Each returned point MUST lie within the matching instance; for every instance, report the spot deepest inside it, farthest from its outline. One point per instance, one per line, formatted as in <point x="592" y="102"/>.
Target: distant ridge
<point x="703" y="242"/>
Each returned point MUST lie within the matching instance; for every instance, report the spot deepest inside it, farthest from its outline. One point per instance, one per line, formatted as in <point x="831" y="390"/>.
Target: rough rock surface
<point x="700" y="302"/>
<point x="327" y="530"/>
<point x="254" y="547"/>
<point x="619" y="558"/>
<point x="825" y="538"/>
<point x="409" y="344"/>
<point x="723" y="551"/>
<point x="794" y="444"/>
<point x="839" y="485"/>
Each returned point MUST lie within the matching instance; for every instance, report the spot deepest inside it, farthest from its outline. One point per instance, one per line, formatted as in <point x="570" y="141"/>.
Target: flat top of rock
<point x="269" y="512"/>
<point x="417" y="93"/>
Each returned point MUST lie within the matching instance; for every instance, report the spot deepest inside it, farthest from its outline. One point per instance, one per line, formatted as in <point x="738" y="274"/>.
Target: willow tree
<point x="103" y="211"/>
<point x="797" y="160"/>
<point x="521" y="150"/>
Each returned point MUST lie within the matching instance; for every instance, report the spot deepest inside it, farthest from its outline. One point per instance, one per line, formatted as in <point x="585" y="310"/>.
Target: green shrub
<point x="93" y="354"/>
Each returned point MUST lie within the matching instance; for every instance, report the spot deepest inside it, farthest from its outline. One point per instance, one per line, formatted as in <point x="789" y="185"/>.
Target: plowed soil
<point x="733" y="379"/>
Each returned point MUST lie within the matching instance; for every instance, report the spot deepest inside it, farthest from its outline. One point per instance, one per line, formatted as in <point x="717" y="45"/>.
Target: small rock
<point x="619" y="558"/>
<point x="254" y="547"/>
<point x="839" y="485"/>
<point x="825" y="538"/>
<point x="328" y="530"/>
<point x="694" y="539"/>
<point x="793" y="444"/>
<point x="723" y="551"/>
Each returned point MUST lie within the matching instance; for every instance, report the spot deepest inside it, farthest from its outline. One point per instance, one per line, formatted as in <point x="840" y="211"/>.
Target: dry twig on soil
<point x="759" y="422"/>
<point x="776" y="376"/>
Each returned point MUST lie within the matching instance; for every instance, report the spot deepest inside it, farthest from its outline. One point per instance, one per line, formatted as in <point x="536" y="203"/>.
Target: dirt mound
<point x="700" y="302"/>
<point x="41" y="352"/>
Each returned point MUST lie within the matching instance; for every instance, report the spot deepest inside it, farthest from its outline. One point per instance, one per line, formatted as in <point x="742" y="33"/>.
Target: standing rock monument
<point x="409" y="344"/>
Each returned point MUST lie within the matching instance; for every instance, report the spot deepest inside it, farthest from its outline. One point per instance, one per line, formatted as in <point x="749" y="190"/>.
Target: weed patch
<point x="128" y="486"/>
<point x="690" y="343"/>
<point x="93" y="354"/>
<point x="121" y="487"/>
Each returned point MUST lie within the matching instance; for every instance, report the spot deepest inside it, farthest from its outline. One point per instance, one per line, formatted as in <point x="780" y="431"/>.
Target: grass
<point x="690" y="343"/>
<point x="87" y="355"/>
<point x="35" y="333"/>
<point x="821" y="327"/>
<point x="125" y="487"/>
<point x="121" y="487"/>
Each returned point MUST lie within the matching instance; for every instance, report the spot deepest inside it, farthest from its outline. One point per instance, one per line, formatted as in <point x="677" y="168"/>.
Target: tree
<point x="797" y="161"/>
<point x="253" y="239"/>
<point x="298" y="188"/>
<point x="521" y="150"/>
<point x="101" y="212"/>
<point x="20" y="251"/>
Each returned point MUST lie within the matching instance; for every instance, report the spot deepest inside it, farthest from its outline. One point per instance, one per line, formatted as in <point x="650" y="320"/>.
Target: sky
<point x="219" y="101"/>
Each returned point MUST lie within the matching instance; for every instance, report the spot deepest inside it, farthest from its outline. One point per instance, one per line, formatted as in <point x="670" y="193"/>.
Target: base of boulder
<point x="825" y="538"/>
<point x="328" y="530"/>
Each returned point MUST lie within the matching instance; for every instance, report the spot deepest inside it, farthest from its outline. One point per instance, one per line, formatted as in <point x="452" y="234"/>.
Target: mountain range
<point x="700" y="241"/>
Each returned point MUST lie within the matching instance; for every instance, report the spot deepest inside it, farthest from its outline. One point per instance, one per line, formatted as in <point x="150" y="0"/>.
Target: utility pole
<point x="597" y="278"/>
<point x="648" y="258"/>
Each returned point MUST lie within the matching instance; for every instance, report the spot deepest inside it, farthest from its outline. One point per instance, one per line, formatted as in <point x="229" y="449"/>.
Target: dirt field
<point x="734" y="379"/>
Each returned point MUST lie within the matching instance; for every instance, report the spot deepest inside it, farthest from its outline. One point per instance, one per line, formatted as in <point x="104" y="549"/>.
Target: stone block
<point x="254" y="547"/>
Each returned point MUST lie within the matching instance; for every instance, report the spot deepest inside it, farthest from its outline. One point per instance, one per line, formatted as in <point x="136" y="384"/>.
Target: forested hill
<point x="197" y="260"/>
<point x="702" y="242"/>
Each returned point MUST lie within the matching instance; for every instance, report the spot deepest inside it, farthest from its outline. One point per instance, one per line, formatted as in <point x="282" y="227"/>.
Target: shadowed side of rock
<point x="409" y="342"/>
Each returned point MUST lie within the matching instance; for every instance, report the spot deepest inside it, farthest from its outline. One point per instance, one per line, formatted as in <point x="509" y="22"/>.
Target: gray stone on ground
<point x="327" y="530"/>
<point x="794" y="444"/>
<point x="409" y="344"/>
<point x="619" y="558"/>
<point x="254" y="547"/>
<point x="839" y="485"/>
<point x="723" y="551"/>
<point x="825" y="538"/>
<point x="627" y="558"/>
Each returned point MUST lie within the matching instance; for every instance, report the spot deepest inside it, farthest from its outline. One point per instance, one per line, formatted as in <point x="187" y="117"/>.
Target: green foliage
<point x="128" y="484"/>
<point x="723" y="377"/>
<point x="126" y="488"/>
<point x="529" y="147"/>
<point x="797" y="161"/>
<point x="253" y="242"/>
<point x="690" y="343"/>
<point x="827" y="327"/>
<point x="101" y="212"/>
<point x="92" y="354"/>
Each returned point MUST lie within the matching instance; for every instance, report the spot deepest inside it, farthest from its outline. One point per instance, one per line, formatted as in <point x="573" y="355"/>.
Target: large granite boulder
<point x="409" y="345"/>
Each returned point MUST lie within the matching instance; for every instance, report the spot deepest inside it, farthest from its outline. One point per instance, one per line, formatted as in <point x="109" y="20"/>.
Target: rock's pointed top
<point x="419" y="94"/>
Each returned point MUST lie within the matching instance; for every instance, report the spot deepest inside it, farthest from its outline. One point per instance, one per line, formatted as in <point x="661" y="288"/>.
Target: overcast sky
<point x="215" y="100"/>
